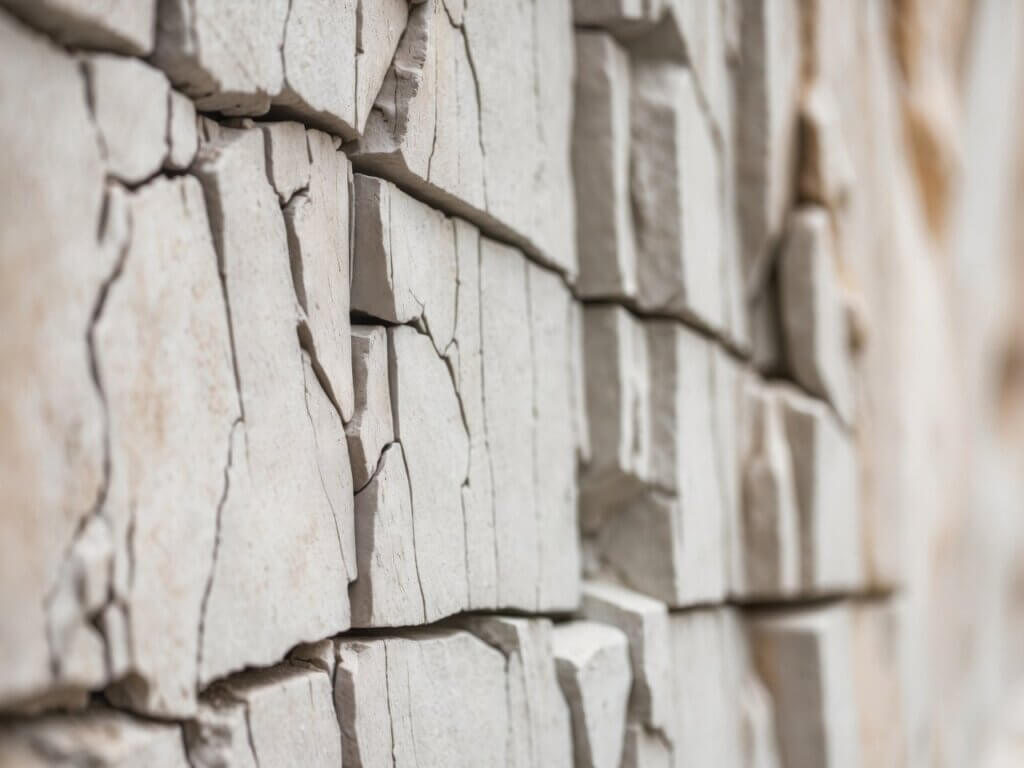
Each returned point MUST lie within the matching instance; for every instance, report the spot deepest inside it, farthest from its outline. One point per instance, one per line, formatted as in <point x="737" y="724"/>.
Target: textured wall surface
<point x="415" y="383"/>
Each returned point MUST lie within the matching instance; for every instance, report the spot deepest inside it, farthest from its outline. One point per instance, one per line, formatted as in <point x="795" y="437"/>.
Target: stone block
<point x="371" y="429"/>
<point x="121" y="26"/>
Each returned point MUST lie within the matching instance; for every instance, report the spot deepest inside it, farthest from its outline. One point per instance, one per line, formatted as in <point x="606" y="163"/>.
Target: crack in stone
<point x="387" y="698"/>
<point x="216" y="547"/>
<point x="415" y="549"/>
<point x="479" y="109"/>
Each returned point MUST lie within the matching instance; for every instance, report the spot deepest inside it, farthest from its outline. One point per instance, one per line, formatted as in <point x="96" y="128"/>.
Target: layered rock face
<point x="593" y="383"/>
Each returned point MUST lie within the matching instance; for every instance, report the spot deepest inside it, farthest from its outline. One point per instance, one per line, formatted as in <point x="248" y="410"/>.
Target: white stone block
<point x="825" y="473"/>
<point x="122" y="26"/>
<point x="318" y="243"/>
<point x="282" y="508"/>
<point x="592" y="660"/>
<point x="428" y="424"/>
<point x="813" y="313"/>
<point x="676" y="190"/>
<point x="169" y="436"/>
<point x="288" y="157"/>
<point x="182" y="134"/>
<point x="601" y="159"/>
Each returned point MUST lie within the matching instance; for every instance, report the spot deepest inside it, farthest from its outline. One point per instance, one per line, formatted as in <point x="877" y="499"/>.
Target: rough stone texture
<point x="691" y="335"/>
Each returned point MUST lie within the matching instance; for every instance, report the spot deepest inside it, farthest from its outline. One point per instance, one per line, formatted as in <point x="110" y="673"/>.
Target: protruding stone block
<point x="601" y="159"/>
<point x="288" y="157"/>
<point x="122" y="26"/>
<point x="677" y="196"/>
<point x="593" y="669"/>
<point x="813" y="315"/>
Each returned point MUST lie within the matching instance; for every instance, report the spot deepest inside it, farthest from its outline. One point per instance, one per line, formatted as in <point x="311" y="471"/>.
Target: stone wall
<point x="540" y="383"/>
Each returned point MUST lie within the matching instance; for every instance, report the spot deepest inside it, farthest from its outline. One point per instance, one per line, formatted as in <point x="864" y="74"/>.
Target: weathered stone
<point x="381" y="25"/>
<point x="130" y="102"/>
<point x="825" y="473"/>
<point x="644" y="749"/>
<point x="182" y="134"/>
<point x="803" y="657"/>
<point x="509" y="418"/>
<point x="539" y="726"/>
<point x="123" y="26"/>
<point x="52" y="274"/>
<point x="371" y="428"/>
<point x="758" y="743"/>
<point x="288" y="157"/>
<point x="318" y="59"/>
<point x="478" y="494"/>
<point x="593" y="670"/>
<point x="768" y="81"/>
<point x="288" y="719"/>
<point x="676" y="192"/>
<point x="618" y="412"/>
<point x="580" y="420"/>
<point x="651" y="28"/>
<point x="164" y="361"/>
<point x="436" y="697"/>
<point x="101" y="737"/>
<point x="404" y="264"/>
<point x="554" y="443"/>
<point x="318" y="230"/>
<point x="439" y="125"/>
<point x="429" y="426"/>
<point x="280" y="513"/>
<point x="769" y="527"/>
<point x="813" y="315"/>
<point x="646" y="625"/>
<point x="601" y="159"/>
<point x="226" y="57"/>
<point x="388" y="591"/>
<point x="826" y="170"/>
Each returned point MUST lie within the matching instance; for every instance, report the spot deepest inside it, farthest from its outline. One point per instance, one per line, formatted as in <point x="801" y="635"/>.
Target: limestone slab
<point x="617" y="394"/>
<point x="434" y="697"/>
<point x="371" y="428"/>
<point x="52" y="273"/>
<point x="169" y="435"/>
<point x="813" y="314"/>
<point x="645" y="623"/>
<point x="554" y="442"/>
<point x="130" y="102"/>
<point x="288" y="719"/>
<point x="539" y="726"/>
<point x="428" y="424"/>
<point x="318" y="243"/>
<point x="388" y="590"/>
<point x="280" y="513"/>
<point x="825" y="474"/>
<point x="123" y="26"/>
<point x="769" y="528"/>
<point x="227" y="57"/>
<point x="592" y="660"/>
<point x="676" y="192"/>
<point x="467" y="351"/>
<point x="404" y="263"/>
<point x="509" y="418"/>
<point x="803" y="657"/>
<point x="601" y="159"/>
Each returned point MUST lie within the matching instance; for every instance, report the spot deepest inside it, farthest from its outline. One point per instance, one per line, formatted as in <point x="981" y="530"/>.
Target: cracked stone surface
<point x="372" y="428"/>
<point x="169" y="437"/>
<point x="592" y="660"/>
<point x="278" y="513"/>
<point x="182" y="132"/>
